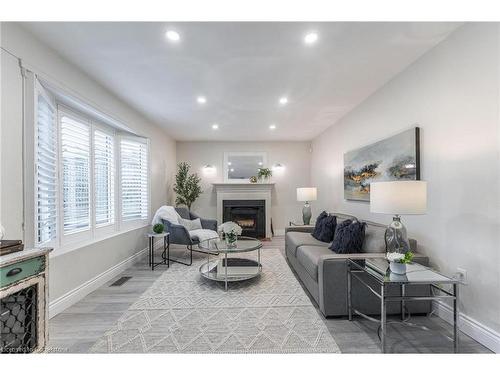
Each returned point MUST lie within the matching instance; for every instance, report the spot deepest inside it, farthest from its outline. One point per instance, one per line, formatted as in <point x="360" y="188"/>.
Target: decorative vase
<point x="397" y="268"/>
<point x="231" y="241"/>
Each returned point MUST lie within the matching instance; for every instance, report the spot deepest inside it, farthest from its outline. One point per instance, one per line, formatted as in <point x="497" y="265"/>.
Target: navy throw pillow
<point x="349" y="237"/>
<point x="327" y="229"/>
<point x="317" y="228"/>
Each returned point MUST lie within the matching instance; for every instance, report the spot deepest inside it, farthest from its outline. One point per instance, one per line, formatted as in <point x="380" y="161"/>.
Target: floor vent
<point x="121" y="281"/>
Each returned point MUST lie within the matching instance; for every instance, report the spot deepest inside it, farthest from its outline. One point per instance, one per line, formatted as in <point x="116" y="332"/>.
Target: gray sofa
<point x="324" y="273"/>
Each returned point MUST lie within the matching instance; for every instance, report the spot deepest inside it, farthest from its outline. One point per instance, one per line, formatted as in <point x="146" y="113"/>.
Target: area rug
<point x="182" y="312"/>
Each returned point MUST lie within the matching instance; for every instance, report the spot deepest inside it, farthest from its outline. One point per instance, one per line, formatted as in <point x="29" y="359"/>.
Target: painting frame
<point x="393" y="158"/>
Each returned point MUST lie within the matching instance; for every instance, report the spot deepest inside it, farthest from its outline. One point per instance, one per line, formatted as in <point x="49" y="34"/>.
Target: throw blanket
<point x="204" y="234"/>
<point x="170" y="214"/>
<point x="166" y="213"/>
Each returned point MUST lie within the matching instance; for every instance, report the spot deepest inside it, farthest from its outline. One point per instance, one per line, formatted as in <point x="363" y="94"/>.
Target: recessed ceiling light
<point x="201" y="99"/>
<point x="260" y="163"/>
<point x="215" y="126"/>
<point x="283" y="100"/>
<point x="232" y="169"/>
<point x="272" y="126"/>
<point x="229" y="163"/>
<point x="173" y="35"/>
<point x="311" y="38"/>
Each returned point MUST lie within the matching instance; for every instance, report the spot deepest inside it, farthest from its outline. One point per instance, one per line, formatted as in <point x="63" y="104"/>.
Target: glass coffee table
<point x="416" y="274"/>
<point x="227" y="268"/>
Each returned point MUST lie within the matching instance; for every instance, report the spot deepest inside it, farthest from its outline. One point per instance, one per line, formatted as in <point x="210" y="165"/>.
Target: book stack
<point x="237" y="267"/>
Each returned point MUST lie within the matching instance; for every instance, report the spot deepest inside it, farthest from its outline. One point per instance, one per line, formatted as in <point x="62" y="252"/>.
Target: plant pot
<point x="397" y="268"/>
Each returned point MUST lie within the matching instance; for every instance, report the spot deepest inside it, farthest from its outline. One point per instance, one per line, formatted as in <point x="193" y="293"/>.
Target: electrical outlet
<point x="462" y="275"/>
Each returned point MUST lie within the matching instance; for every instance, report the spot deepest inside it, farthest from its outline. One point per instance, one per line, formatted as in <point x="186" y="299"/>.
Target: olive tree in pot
<point x="187" y="186"/>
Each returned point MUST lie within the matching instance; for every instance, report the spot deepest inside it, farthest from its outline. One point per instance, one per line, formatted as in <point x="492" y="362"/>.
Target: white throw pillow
<point x="190" y="224"/>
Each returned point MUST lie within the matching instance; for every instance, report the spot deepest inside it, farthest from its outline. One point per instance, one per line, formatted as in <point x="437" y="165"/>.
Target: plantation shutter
<point x="104" y="172"/>
<point x="134" y="179"/>
<point x="45" y="171"/>
<point x="75" y="153"/>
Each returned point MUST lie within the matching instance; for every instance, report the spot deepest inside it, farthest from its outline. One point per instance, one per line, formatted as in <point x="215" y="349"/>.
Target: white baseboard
<point x="62" y="303"/>
<point x="470" y="326"/>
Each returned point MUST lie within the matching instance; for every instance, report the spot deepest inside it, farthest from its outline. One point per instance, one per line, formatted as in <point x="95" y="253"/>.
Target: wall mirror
<point x="240" y="166"/>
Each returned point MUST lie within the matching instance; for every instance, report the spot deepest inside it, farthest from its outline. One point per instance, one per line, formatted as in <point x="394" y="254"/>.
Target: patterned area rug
<point x="182" y="312"/>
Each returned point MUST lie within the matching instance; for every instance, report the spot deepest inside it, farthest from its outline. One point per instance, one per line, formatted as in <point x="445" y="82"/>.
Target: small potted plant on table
<point x="398" y="261"/>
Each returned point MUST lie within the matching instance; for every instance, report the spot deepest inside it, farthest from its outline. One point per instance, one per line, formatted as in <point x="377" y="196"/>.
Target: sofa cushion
<point x="349" y="237"/>
<point x="327" y="229"/>
<point x="374" y="238"/>
<point x="308" y="257"/>
<point x="318" y="227"/>
<point x="296" y="239"/>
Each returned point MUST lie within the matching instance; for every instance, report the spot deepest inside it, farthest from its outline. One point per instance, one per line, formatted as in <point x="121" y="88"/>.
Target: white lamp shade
<point x="398" y="197"/>
<point x="306" y="194"/>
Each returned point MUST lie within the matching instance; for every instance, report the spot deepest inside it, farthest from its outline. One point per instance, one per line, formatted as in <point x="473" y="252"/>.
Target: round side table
<point x="165" y="255"/>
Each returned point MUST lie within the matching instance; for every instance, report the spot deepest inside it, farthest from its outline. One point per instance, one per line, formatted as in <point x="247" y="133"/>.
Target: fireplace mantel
<point x="232" y="186"/>
<point x="244" y="191"/>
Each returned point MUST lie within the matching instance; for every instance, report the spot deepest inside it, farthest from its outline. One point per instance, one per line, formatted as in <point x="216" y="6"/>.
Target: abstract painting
<point x="392" y="159"/>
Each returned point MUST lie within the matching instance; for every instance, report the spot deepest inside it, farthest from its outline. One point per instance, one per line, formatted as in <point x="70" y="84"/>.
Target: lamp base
<point x="306" y="213"/>
<point x="396" y="238"/>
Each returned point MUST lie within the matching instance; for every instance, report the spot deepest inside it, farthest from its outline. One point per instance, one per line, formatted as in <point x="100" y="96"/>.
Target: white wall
<point x="295" y="156"/>
<point x="70" y="270"/>
<point x="452" y="94"/>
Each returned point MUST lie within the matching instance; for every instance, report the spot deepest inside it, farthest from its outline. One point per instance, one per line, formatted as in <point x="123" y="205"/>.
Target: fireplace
<point x="250" y="215"/>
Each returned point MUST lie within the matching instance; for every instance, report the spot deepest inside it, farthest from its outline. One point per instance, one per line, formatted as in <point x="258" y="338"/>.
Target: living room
<point x="250" y="187"/>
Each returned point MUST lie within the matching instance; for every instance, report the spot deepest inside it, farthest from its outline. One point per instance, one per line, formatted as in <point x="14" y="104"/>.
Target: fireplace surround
<point x="245" y="192"/>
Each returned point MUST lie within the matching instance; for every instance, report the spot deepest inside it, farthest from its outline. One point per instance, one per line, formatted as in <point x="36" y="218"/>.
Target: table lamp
<point x="306" y="194"/>
<point x="398" y="198"/>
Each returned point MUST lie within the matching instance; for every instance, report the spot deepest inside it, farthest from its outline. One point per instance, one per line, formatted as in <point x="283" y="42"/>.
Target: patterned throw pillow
<point x="349" y="237"/>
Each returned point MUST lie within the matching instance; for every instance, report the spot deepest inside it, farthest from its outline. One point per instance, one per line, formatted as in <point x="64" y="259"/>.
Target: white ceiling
<point x="242" y="69"/>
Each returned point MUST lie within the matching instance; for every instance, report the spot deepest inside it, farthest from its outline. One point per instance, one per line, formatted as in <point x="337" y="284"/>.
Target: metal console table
<point x="378" y="270"/>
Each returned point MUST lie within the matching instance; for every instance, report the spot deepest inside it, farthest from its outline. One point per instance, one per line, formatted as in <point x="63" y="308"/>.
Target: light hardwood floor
<point x="77" y="328"/>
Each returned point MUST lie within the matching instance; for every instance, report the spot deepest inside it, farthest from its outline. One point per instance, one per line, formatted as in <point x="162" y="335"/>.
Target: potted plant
<point x="158" y="228"/>
<point x="264" y="174"/>
<point x="187" y="186"/>
<point x="398" y="261"/>
<point x="231" y="232"/>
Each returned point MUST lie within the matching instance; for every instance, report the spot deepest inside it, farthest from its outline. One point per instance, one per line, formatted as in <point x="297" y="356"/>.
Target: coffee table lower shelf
<point x="209" y="271"/>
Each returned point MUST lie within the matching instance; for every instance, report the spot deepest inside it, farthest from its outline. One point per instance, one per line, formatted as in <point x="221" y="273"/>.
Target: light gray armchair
<point x="179" y="234"/>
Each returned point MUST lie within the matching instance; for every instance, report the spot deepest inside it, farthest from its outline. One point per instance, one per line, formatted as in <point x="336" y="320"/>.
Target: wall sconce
<point x="278" y="167"/>
<point x="208" y="169"/>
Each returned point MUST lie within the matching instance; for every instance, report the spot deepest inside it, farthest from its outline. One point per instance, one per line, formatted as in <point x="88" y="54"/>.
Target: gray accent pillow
<point x="190" y="224"/>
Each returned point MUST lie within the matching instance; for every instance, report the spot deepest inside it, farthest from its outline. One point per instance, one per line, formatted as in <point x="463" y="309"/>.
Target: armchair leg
<point x="190" y="249"/>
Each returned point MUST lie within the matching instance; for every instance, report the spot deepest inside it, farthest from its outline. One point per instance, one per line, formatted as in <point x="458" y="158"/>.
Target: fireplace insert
<point x="250" y="215"/>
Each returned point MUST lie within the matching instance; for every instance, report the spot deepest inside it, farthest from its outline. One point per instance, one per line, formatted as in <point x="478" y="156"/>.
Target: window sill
<point x="81" y="244"/>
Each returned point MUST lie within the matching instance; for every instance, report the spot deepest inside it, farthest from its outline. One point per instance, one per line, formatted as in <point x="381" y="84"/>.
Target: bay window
<point x="91" y="178"/>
